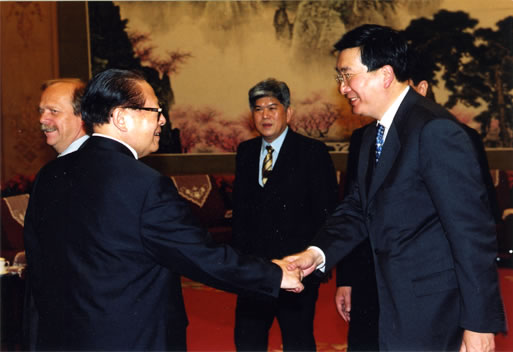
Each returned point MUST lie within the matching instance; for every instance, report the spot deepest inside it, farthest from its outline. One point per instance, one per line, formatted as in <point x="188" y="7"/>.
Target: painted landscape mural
<point x="204" y="56"/>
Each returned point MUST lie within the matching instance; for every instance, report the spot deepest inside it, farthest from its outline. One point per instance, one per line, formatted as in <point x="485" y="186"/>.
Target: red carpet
<point x="211" y="316"/>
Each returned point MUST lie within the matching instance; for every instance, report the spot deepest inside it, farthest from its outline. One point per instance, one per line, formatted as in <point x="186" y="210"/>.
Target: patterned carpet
<point x="211" y="316"/>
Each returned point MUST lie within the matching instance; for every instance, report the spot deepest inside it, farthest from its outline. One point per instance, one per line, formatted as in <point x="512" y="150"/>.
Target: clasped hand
<point x="297" y="266"/>
<point x="291" y="279"/>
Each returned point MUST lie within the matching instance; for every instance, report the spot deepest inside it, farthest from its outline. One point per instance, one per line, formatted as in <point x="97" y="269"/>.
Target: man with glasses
<point x="420" y="199"/>
<point x="106" y="235"/>
<point x="356" y="298"/>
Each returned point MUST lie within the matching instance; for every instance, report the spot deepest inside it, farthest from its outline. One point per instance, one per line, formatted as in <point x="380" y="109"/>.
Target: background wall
<point x="29" y="56"/>
<point x="34" y="35"/>
<point x="214" y="51"/>
<point x="210" y="53"/>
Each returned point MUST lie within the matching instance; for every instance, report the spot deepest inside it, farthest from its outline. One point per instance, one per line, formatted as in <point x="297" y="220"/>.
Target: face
<point x="271" y="118"/>
<point x="143" y="127"/>
<point x="363" y="89"/>
<point x="60" y="126"/>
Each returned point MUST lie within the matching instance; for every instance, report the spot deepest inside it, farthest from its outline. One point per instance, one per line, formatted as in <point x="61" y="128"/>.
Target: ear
<point x="290" y="112"/>
<point x="388" y="75"/>
<point x="422" y="87"/>
<point x="118" y="119"/>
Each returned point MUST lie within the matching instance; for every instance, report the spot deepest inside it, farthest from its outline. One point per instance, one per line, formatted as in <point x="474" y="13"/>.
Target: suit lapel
<point x="392" y="144"/>
<point x="388" y="155"/>
<point x="254" y="161"/>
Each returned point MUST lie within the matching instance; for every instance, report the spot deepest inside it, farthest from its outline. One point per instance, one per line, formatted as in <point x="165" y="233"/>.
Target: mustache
<point x="48" y="128"/>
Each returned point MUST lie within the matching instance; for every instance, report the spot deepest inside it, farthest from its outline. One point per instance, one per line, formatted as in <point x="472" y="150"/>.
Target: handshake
<point x="297" y="266"/>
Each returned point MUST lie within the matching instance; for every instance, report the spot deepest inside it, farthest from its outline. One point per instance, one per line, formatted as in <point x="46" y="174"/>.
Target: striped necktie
<point x="268" y="164"/>
<point x="379" y="141"/>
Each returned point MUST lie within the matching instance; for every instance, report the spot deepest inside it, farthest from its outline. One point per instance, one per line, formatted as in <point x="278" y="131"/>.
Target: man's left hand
<point x="477" y="341"/>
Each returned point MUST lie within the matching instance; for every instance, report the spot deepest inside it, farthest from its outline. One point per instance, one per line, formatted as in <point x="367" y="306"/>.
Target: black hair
<point x="108" y="90"/>
<point x="379" y="46"/>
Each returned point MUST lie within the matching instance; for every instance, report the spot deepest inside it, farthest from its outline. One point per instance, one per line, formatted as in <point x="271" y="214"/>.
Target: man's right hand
<point x="343" y="302"/>
<point x="307" y="261"/>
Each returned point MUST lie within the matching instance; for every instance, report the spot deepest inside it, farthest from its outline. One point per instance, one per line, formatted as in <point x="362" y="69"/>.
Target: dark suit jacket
<point x="282" y="217"/>
<point x="105" y="235"/>
<point x="428" y="218"/>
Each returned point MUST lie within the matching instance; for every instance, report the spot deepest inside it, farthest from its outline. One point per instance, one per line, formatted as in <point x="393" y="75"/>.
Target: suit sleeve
<point x="456" y="187"/>
<point x="172" y="237"/>
<point x="341" y="231"/>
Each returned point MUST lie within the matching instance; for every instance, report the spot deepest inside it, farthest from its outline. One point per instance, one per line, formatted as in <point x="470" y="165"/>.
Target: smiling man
<point x="420" y="198"/>
<point x="107" y="237"/>
<point x="285" y="186"/>
<point x="60" y="117"/>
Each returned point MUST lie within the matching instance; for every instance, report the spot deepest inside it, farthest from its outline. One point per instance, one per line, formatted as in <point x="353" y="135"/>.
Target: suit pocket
<point x="435" y="283"/>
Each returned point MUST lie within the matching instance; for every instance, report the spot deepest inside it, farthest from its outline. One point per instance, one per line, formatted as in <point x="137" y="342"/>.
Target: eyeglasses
<point x="344" y="77"/>
<point x="159" y="110"/>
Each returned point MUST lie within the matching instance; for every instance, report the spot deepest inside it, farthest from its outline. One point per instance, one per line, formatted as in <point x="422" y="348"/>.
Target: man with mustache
<point x="106" y="235"/>
<point x="61" y="120"/>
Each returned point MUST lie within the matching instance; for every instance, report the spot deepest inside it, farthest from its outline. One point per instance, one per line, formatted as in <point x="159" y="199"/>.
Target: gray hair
<point x="270" y="88"/>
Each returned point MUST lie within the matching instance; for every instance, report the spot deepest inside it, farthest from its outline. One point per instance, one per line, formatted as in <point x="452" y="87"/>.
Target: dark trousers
<point x="363" y="327"/>
<point x="177" y="338"/>
<point x="295" y="314"/>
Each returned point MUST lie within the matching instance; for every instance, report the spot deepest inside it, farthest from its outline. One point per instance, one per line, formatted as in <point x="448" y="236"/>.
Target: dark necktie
<point x="268" y="164"/>
<point x="379" y="141"/>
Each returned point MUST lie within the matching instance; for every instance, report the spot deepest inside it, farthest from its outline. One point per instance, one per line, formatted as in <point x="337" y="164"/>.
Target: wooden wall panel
<point x="29" y="56"/>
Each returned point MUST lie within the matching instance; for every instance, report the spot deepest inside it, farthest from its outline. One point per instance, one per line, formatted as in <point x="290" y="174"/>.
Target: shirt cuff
<point x="322" y="266"/>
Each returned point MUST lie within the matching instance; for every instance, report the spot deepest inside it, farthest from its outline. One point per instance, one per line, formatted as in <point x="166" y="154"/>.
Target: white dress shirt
<point x="276" y="144"/>
<point x="74" y="145"/>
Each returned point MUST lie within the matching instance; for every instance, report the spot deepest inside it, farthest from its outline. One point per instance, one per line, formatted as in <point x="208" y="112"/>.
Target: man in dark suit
<point x="281" y="198"/>
<point x="419" y="197"/>
<point x="105" y="235"/>
<point x="356" y="297"/>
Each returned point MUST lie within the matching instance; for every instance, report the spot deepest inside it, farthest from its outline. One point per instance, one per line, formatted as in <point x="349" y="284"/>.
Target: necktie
<point x="379" y="141"/>
<point x="268" y="164"/>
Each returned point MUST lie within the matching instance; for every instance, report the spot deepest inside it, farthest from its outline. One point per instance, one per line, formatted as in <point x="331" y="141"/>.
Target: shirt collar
<point x="277" y="143"/>
<point x="74" y="145"/>
<point x="120" y="141"/>
<point x="388" y="117"/>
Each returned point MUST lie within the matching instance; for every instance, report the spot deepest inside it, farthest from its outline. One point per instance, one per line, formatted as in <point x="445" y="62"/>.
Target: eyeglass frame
<point x="159" y="110"/>
<point x="345" y="77"/>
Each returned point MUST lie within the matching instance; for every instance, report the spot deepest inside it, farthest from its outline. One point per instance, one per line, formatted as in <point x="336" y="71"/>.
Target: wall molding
<point x="224" y="163"/>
